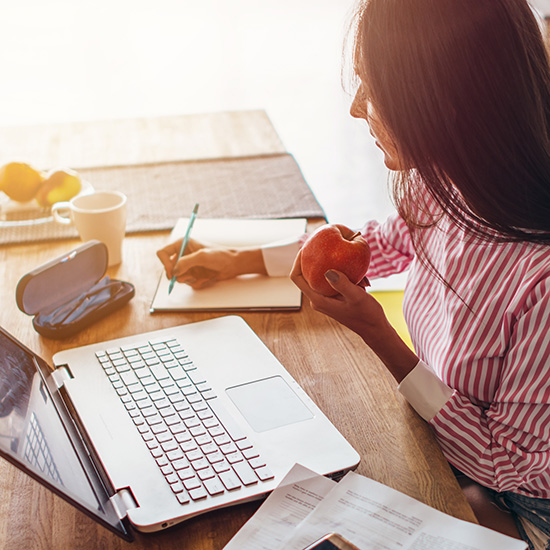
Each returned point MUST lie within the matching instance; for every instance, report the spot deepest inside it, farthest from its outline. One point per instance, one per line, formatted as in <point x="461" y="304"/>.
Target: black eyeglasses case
<point x="71" y="292"/>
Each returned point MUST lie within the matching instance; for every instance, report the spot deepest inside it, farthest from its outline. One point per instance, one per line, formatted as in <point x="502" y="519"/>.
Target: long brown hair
<point x="463" y="87"/>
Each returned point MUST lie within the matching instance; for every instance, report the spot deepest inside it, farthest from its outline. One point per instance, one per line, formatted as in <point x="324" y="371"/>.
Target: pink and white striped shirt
<point x="493" y="424"/>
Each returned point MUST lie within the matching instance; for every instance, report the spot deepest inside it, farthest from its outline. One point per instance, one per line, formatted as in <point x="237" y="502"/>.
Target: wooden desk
<point x="331" y="363"/>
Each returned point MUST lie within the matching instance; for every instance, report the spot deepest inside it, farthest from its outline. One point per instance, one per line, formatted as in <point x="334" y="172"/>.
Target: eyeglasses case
<point x="71" y="292"/>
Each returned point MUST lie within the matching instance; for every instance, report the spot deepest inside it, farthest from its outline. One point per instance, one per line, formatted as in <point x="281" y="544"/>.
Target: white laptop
<point x="146" y="431"/>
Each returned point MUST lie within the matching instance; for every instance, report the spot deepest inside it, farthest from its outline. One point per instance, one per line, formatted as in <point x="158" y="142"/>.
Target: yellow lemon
<point x="59" y="185"/>
<point x="20" y="181"/>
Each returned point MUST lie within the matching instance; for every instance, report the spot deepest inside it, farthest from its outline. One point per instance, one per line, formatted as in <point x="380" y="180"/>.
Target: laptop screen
<point x="34" y="438"/>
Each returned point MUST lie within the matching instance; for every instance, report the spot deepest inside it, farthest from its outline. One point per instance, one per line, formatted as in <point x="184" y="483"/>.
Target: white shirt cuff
<point x="279" y="257"/>
<point x="425" y="391"/>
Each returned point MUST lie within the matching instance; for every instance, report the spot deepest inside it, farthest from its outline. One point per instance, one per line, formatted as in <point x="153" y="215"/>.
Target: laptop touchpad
<point x="269" y="403"/>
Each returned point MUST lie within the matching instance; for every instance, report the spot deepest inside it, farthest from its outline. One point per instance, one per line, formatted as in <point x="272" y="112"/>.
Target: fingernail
<point x="332" y="276"/>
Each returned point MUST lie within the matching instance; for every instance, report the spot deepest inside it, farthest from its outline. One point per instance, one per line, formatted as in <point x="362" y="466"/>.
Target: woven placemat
<point x="158" y="194"/>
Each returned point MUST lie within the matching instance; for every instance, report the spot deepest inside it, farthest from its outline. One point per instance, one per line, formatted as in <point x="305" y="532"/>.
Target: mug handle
<point x="58" y="210"/>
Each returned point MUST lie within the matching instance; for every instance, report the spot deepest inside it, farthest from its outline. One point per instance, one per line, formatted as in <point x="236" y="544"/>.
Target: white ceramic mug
<point x="100" y="215"/>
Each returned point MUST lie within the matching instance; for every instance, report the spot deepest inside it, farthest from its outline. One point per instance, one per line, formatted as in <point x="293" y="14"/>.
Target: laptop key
<point x="200" y="464"/>
<point x="188" y="446"/>
<point x="182" y="406"/>
<point x="208" y="448"/>
<point x="140" y="396"/>
<point x="198" y="493"/>
<point x="172" y="478"/>
<point x="230" y="480"/>
<point x="177" y="487"/>
<point x="177" y="373"/>
<point x="169" y="446"/>
<point x="167" y="470"/>
<point x="204" y="413"/>
<point x="159" y="428"/>
<point x="250" y="453"/>
<point x="197" y="431"/>
<point x="194" y="454"/>
<point x="244" y="444"/>
<point x="154" y="419"/>
<point x="214" y="457"/>
<point x="196" y="377"/>
<point x="167" y="383"/>
<point x="192" y="422"/>
<point x="171" y="420"/>
<point x="256" y="463"/>
<point x="148" y="380"/>
<point x="177" y="428"/>
<point x="245" y="472"/>
<point x="162" y="403"/>
<point x="159" y="371"/>
<point x="147" y="435"/>
<point x="157" y="453"/>
<point x="176" y="454"/>
<point x="186" y="473"/>
<point x="228" y="448"/>
<point x="162" y="461"/>
<point x="221" y="466"/>
<point x="129" y="378"/>
<point x="213" y="486"/>
<point x="206" y="473"/>
<point x="183" y="436"/>
<point x="192" y="483"/>
<point x="183" y="498"/>
<point x="180" y="464"/>
<point x="163" y="437"/>
<point x="264" y="473"/>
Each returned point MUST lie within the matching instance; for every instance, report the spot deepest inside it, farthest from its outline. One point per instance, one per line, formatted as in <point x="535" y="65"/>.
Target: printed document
<point x="372" y="516"/>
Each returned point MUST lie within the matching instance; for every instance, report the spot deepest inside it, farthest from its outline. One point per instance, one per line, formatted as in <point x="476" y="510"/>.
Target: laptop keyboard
<point x="197" y="445"/>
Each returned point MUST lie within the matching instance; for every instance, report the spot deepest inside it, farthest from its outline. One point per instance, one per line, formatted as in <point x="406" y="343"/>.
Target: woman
<point x="457" y="95"/>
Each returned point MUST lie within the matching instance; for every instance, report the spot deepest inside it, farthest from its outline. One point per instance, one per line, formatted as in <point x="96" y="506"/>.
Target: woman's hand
<point x="354" y="308"/>
<point x="202" y="266"/>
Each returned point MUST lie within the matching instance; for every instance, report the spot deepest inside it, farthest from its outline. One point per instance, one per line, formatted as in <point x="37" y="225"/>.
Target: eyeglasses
<point x="85" y="303"/>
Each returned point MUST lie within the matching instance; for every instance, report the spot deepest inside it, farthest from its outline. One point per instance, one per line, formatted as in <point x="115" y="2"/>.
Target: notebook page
<point x="242" y="293"/>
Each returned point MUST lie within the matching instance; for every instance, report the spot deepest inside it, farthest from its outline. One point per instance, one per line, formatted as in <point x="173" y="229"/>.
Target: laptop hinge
<point x="122" y="501"/>
<point x="60" y="375"/>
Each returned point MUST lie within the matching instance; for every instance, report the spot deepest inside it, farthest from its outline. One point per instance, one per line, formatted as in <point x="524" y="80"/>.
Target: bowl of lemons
<point x="27" y="194"/>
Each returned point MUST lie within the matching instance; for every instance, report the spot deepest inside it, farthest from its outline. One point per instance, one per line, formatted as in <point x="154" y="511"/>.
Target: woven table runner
<point x="158" y="194"/>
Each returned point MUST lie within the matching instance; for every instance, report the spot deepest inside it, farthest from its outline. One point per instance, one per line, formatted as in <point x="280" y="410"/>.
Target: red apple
<point x="328" y="248"/>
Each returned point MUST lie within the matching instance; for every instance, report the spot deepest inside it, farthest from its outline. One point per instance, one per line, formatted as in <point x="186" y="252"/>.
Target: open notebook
<point x="250" y="292"/>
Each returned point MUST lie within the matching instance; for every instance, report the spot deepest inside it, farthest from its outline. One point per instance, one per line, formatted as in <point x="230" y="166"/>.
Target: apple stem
<point x="356" y="234"/>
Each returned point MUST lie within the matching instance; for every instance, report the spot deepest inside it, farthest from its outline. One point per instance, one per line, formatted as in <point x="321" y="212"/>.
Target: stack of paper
<point x="307" y="506"/>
